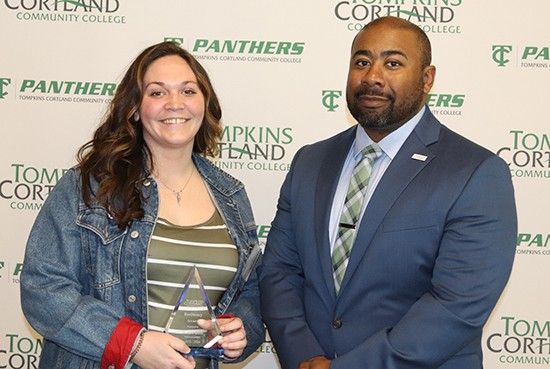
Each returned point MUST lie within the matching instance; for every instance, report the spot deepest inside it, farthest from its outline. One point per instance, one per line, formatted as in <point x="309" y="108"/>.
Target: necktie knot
<point x="371" y="152"/>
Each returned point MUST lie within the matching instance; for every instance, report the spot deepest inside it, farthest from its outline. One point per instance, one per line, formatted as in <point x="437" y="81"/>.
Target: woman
<point x="109" y="250"/>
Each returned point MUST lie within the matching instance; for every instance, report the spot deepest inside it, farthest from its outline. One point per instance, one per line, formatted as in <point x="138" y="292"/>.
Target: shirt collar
<point x="390" y="144"/>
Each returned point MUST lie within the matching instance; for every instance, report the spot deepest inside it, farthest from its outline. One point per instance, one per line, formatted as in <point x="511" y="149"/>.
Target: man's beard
<point x="390" y="118"/>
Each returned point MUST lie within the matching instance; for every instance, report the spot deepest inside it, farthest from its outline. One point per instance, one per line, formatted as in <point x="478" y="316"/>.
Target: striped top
<point x="173" y="250"/>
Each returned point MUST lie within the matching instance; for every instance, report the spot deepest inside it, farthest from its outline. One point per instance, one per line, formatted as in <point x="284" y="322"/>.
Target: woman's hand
<point x="163" y="351"/>
<point x="233" y="339"/>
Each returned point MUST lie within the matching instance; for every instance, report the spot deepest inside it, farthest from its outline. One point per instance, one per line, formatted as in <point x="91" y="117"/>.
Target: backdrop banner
<point x="280" y="70"/>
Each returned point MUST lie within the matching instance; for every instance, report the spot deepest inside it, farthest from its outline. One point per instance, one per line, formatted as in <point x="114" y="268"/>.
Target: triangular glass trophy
<point x="192" y="309"/>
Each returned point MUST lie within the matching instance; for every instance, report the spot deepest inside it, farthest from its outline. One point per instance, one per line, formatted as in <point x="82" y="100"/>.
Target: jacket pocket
<point x="102" y="242"/>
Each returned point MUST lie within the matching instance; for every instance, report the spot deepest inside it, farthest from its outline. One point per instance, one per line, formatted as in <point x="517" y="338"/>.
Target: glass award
<point x="200" y="344"/>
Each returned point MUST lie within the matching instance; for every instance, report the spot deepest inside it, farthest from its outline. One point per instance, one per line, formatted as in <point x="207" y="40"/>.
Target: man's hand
<point x="316" y="362"/>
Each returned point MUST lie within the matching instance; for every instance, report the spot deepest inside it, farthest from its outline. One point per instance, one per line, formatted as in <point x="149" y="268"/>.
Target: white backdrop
<point x="280" y="71"/>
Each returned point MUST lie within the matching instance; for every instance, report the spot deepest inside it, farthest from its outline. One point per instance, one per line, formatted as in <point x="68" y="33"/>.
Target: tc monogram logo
<point x="4" y="82"/>
<point x="176" y="40"/>
<point x="499" y="54"/>
<point x="329" y="97"/>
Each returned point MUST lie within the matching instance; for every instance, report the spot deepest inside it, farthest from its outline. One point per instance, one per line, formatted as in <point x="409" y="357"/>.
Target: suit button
<point x="336" y="323"/>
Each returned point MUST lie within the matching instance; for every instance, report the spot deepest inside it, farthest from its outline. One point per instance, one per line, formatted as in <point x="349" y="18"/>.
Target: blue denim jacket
<point x="82" y="273"/>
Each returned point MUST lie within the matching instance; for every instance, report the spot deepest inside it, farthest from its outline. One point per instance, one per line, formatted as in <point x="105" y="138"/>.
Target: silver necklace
<point x="177" y="193"/>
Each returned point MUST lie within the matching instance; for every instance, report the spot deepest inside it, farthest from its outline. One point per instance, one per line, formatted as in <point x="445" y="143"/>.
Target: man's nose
<point x="374" y="75"/>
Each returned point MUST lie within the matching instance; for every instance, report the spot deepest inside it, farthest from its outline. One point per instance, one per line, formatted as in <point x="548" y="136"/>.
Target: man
<point x="395" y="258"/>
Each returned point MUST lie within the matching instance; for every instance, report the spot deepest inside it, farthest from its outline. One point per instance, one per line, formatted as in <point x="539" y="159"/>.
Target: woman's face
<point x="172" y="105"/>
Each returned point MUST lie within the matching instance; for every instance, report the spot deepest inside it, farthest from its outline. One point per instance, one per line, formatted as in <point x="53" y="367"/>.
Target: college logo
<point x="431" y="16"/>
<point x="533" y="244"/>
<point x="445" y="104"/>
<point x="528" y="155"/>
<point x="535" y="57"/>
<point x="329" y="99"/>
<point x="66" y="91"/>
<point x="65" y="11"/>
<point x="500" y="54"/>
<point x="520" y="341"/>
<point x="29" y="186"/>
<point x="532" y="57"/>
<point x="256" y="148"/>
<point x="4" y="82"/>
<point x="261" y="51"/>
<point x="536" y="53"/>
<point x="17" y="352"/>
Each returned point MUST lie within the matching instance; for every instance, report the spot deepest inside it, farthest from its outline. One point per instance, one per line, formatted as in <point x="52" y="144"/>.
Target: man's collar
<point x="390" y="144"/>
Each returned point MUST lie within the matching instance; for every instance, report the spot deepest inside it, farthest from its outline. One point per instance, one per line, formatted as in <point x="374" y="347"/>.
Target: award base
<point x="210" y="353"/>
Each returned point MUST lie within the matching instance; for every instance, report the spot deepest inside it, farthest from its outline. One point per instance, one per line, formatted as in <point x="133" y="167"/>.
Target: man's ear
<point x="428" y="77"/>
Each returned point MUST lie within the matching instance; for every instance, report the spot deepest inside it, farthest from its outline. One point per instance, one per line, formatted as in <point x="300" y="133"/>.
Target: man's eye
<point x="362" y="63"/>
<point x="393" y="64"/>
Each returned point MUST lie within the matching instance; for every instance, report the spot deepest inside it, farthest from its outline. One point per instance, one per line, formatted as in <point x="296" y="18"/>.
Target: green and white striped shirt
<point x="173" y="250"/>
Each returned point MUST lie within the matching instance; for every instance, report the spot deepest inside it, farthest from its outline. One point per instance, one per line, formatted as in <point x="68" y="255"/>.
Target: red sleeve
<point x="117" y="351"/>
<point x="225" y="316"/>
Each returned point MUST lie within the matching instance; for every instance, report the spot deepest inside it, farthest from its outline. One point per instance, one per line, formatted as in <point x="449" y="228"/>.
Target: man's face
<point x="386" y="82"/>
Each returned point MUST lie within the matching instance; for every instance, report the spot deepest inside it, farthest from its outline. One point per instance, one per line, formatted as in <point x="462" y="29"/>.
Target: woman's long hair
<point x="117" y="157"/>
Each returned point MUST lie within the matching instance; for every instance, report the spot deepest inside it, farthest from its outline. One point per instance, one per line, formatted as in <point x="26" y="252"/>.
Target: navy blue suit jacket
<point x="432" y="255"/>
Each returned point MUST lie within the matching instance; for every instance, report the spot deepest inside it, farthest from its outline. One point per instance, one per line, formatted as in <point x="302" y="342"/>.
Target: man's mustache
<point x="372" y="91"/>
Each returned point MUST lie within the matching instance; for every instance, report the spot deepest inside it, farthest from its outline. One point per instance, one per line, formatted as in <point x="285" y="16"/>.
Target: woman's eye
<point x="155" y="93"/>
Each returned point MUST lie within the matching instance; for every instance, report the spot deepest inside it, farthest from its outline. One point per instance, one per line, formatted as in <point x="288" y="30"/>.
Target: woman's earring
<point x="136" y="117"/>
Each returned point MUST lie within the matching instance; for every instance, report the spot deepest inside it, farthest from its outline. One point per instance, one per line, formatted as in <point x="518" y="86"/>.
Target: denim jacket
<point x="82" y="273"/>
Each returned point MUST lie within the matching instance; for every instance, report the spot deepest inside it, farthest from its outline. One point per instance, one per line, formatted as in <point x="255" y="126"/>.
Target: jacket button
<point x="132" y="298"/>
<point x="134" y="234"/>
<point x="336" y="323"/>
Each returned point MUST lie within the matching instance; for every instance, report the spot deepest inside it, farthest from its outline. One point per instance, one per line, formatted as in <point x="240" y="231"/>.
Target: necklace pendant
<point x="178" y="192"/>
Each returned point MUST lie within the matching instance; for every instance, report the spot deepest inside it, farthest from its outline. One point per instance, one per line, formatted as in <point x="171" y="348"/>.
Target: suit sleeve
<point x="473" y="265"/>
<point x="281" y="286"/>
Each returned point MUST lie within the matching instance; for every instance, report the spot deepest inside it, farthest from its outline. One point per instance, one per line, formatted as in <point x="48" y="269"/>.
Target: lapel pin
<point x="419" y="157"/>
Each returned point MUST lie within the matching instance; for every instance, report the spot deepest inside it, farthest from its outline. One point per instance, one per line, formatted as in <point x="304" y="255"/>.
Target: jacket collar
<point x="216" y="178"/>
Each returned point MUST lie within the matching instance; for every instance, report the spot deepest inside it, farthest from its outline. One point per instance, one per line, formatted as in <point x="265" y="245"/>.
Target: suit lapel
<point x="327" y="182"/>
<point x="397" y="177"/>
